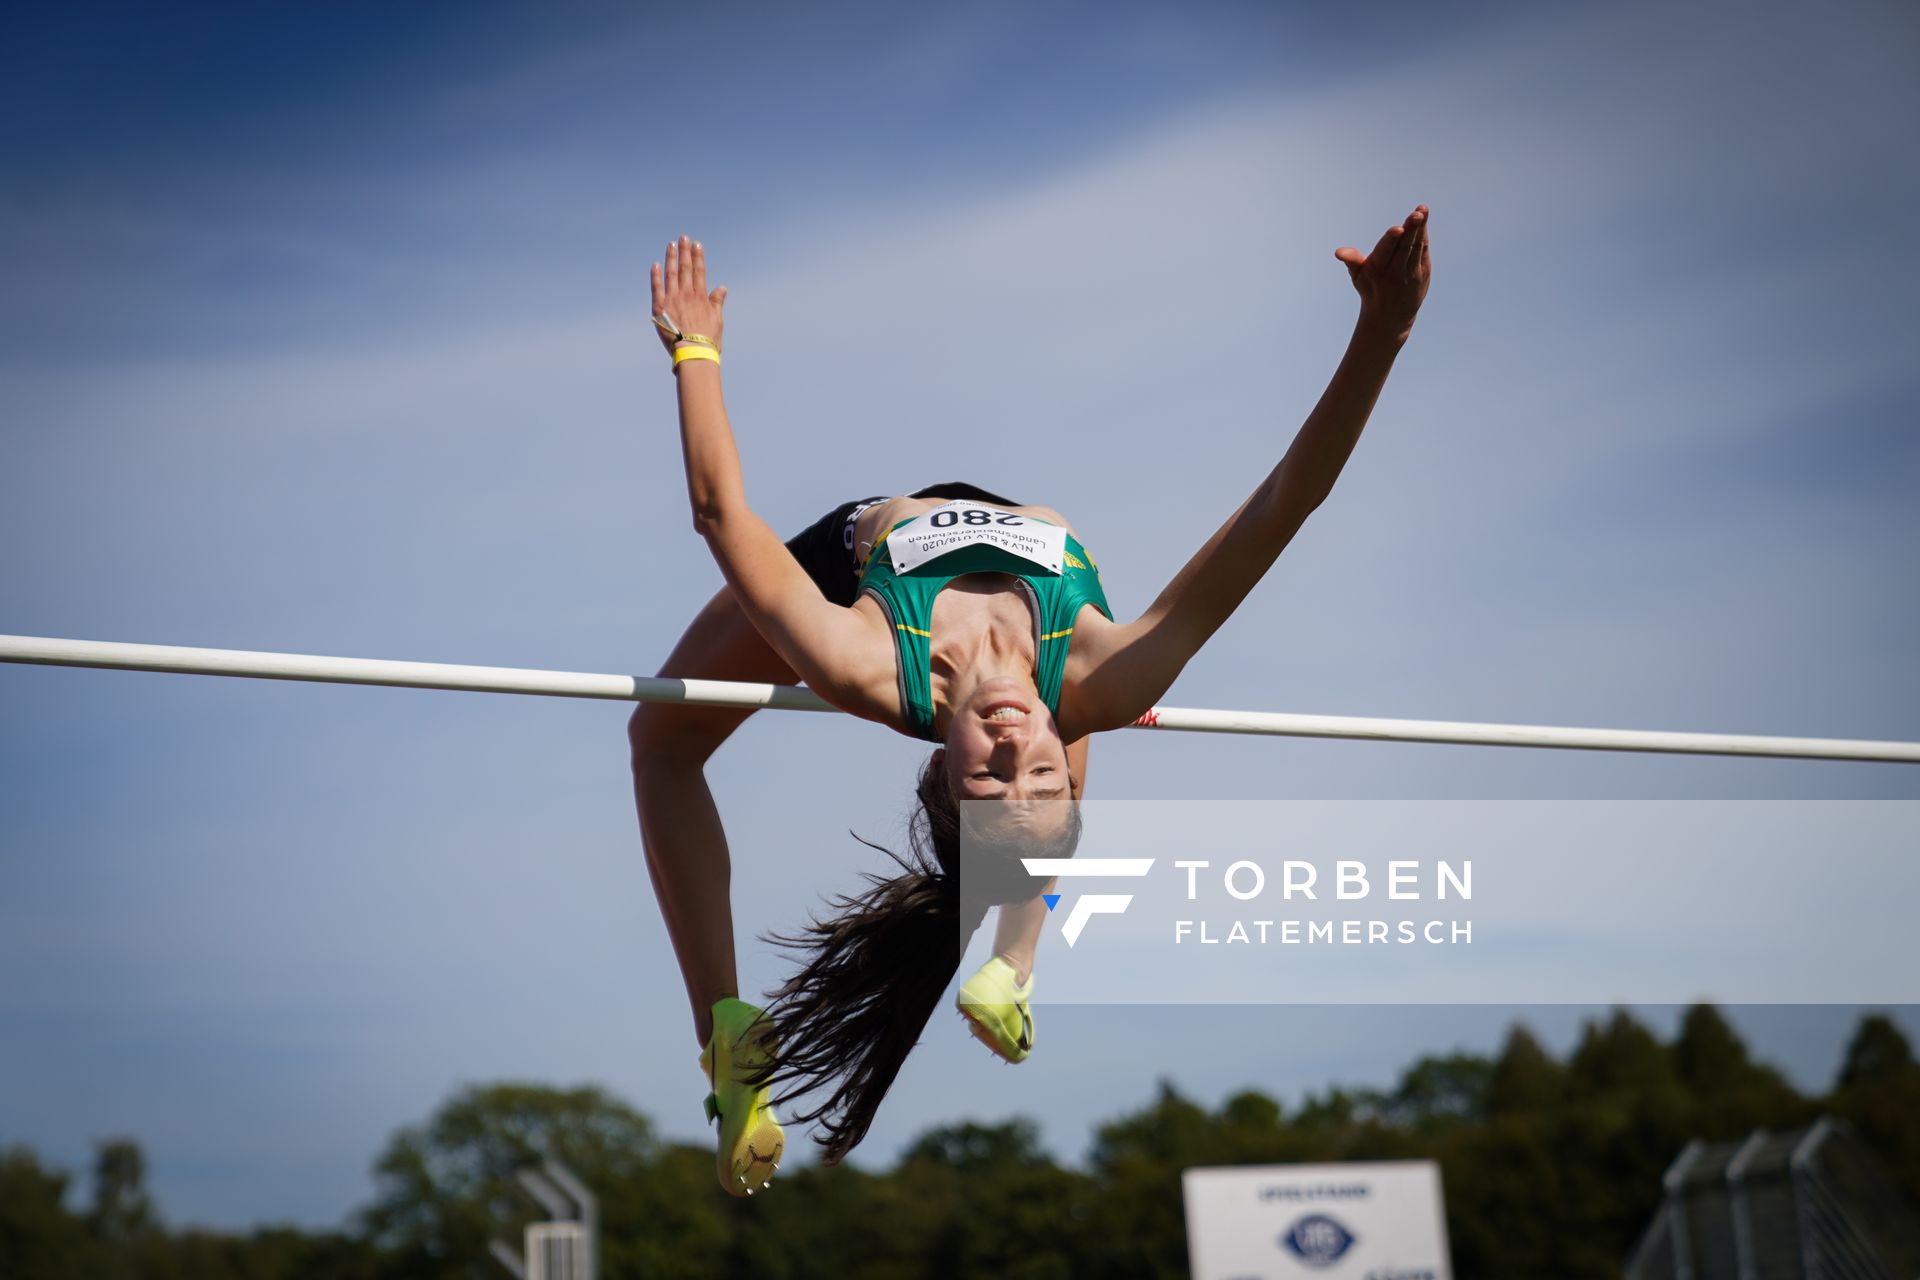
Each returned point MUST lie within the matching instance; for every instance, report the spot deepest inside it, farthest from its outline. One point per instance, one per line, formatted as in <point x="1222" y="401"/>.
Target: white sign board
<point x="1380" y="1221"/>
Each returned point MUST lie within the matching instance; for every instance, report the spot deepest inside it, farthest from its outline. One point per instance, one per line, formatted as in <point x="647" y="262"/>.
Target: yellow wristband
<point x="694" y="353"/>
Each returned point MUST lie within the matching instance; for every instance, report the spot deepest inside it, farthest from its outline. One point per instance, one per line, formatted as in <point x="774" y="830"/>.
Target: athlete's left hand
<point x="1392" y="280"/>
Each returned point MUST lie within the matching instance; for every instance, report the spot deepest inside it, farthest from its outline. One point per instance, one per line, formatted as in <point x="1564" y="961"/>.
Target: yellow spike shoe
<point x="995" y="1007"/>
<point x="751" y="1140"/>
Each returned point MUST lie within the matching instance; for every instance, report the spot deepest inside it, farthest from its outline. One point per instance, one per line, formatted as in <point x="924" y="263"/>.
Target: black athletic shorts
<point x="825" y="547"/>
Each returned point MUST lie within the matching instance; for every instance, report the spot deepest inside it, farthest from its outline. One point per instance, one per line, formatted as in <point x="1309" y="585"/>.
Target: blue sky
<point x="326" y="332"/>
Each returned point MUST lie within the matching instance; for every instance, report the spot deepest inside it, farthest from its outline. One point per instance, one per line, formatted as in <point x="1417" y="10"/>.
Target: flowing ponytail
<point x="872" y="974"/>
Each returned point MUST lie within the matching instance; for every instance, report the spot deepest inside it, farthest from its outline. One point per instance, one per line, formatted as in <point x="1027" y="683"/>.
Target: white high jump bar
<point x="46" y="651"/>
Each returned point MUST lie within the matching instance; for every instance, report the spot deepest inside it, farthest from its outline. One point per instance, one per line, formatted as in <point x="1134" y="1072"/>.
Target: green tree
<point x="1003" y="1207"/>
<point x="444" y="1189"/>
<point x="1525" y="1078"/>
<point x="1139" y="1226"/>
<point x="1550" y="1169"/>
<point x="122" y="1210"/>
<point x="1731" y="1094"/>
<point x="1439" y="1092"/>
<point x="969" y="1147"/>
<point x="1708" y="1055"/>
<point x="39" y="1238"/>
<point x="1621" y="1059"/>
<point x="1878" y="1051"/>
<point x="1878" y="1092"/>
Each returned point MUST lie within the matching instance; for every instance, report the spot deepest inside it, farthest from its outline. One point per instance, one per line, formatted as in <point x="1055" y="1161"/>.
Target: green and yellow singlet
<point x="907" y="599"/>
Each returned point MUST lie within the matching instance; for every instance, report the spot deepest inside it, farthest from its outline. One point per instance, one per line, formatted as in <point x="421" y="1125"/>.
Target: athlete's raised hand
<point x="1392" y="280"/>
<point x="680" y="293"/>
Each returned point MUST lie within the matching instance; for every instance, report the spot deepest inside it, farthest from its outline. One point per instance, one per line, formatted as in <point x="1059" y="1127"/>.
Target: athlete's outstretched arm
<point x="835" y="650"/>
<point x="1016" y="935"/>
<point x="1134" y="664"/>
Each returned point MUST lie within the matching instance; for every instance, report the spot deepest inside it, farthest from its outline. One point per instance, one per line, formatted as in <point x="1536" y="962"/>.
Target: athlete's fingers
<point x="1352" y="259"/>
<point x="700" y="268"/>
<point x="1406" y="254"/>
<point x="1383" y="252"/>
<point x="1404" y="247"/>
<point x="720" y="296"/>
<point x="659" y="291"/>
<point x="672" y="280"/>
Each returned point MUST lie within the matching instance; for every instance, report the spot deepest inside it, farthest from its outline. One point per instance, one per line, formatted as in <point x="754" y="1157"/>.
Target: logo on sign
<point x="1318" y="1240"/>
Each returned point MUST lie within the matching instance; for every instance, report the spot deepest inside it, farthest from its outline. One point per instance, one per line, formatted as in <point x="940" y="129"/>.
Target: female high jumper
<point x="953" y="615"/>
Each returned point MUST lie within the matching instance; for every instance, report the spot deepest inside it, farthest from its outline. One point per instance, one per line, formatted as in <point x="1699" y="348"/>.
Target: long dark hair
<point x="873" y="973"/>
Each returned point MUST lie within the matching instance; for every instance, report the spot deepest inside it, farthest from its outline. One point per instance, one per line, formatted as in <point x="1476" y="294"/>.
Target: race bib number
<point x="961" y="523"/>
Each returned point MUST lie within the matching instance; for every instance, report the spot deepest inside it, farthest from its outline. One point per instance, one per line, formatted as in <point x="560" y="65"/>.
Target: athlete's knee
<point x="664" y="736"/>
<point x="650" y="736"/>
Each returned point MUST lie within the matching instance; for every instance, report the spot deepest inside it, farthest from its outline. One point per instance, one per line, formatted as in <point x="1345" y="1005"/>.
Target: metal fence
<point x="1806" y="1204"/>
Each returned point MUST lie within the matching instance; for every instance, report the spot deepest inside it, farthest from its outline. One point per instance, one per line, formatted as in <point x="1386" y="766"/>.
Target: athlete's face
<point x="1003" y="745"/>
<point x="1007" y="768"/>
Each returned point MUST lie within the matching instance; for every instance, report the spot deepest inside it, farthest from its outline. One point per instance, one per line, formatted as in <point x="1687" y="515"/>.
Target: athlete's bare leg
<point x="686" y="846"/>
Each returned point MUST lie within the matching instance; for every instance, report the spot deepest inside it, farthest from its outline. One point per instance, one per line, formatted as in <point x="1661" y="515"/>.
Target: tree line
<point x="1550" y="1167"/>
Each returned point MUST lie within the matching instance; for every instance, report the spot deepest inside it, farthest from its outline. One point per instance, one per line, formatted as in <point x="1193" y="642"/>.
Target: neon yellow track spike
<point x="996" y="1009"/>
<point x="751" y="1140"/>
